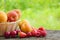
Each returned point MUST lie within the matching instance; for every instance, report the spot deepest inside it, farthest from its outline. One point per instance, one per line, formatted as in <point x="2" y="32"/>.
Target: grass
<point x="44" y="13"/>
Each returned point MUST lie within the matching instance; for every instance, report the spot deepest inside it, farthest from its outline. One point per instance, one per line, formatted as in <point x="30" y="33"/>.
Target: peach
<point x="12" y="16"/>
<point x="25" y="26"/>
<point x="20" y="23"/>
<point x="22" y="34"/>
<point x="18" y="12"/>
<point x="3" y="17"/>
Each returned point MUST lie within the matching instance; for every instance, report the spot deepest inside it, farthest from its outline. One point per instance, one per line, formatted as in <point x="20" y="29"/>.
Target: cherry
<point x="7" y="34"/>
<point x="29" y="34"/>
<point x="13" y="34"/>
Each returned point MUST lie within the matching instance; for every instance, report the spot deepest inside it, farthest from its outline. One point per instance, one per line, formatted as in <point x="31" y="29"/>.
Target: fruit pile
<point x="26" y="30"/>
<point x="11" y="16"/>
<point x="41" y="32"/>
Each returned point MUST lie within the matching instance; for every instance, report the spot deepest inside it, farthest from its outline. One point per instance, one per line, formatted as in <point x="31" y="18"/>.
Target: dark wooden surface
<point x="51" y="35"/>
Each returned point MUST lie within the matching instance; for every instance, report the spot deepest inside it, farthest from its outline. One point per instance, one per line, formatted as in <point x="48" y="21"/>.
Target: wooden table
<point x="51" y="35"/>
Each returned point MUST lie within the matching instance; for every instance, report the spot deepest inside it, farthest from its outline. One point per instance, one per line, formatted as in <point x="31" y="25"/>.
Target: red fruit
<point x="18" y="12"/>
<point x="38" y="34"/>
<point x="34" y="32"/>
<point x="29" y="34"/>
<point x="13" y="34"/>
<point x="7" y="34"/>
<point x="17" y="32"/>
<point x="41" y="28"/>
<point x="12" y="16"/>
<point x="43" y="33"/>
<point x="22" y="34"/>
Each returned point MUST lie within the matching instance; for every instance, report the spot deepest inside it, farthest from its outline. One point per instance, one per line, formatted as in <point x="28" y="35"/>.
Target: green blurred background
<point x="44" y="13"/>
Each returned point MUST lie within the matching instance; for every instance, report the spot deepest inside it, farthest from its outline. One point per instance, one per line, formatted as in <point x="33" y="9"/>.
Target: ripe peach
<point x="12" y="16"/>
<point x="25" y="26"/>
<point x="22" y="34"/>
<point x="21" y="23"/>
<point x="18" y="12"/>
<point x="3" y="17"/>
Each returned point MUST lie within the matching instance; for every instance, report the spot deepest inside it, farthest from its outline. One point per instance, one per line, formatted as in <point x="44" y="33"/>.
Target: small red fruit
<point x="34" y="32"/>
<point x="41" y="28"/>
<point x="13" y="34"/>
<point x="29" y="34"/>
<point x="17" y="32"/>
<point x="22" y="34"/>
<point x="7" y="34"/>
<point x="43" y="33"/>
<point x="38" y="34"/>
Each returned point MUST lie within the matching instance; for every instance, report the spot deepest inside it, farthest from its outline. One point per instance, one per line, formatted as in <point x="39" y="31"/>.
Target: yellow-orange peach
<point x="25" y="26"/>
<point x="3" y="17"/>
